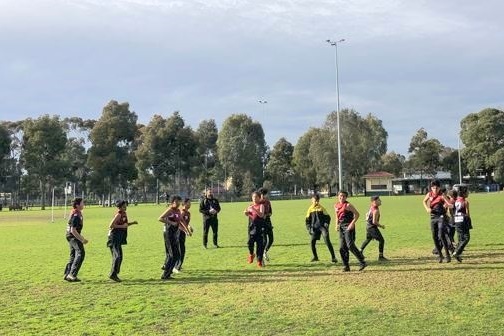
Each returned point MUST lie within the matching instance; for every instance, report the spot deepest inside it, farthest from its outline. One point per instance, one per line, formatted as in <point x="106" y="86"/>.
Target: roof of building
<point x="380" y="174"/>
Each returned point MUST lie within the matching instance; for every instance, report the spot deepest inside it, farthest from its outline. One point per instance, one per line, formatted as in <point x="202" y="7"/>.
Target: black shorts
<point x="373" y="233"/>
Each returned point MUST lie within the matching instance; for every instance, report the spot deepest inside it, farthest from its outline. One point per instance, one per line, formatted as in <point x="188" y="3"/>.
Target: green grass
<point x="220" y="294"/>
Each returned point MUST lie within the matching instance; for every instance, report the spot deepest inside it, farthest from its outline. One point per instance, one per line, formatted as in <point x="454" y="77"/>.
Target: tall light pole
<point x="263" y="104"/>
<point x="459" y="161"/>
<point x="335" y="45"/>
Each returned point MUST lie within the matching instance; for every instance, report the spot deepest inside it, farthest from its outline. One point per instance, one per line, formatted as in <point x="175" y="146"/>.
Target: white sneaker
<point x="266" y="256"/>
<point x="176" y="270"/>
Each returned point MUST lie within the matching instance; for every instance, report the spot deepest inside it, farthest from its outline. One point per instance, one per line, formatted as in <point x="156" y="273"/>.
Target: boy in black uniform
<point x="209" y="208"/>
<point x="346" y="217"/>
<point x="434" y="203"/>
<point x="182" y="233"/>
<point x="372" y="227"/>
<point x="317" y="222"/>
<point x="76" y="241"/>
<point x="118" y="233"/>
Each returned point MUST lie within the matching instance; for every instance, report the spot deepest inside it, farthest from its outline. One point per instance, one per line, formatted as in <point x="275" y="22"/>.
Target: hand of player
<point x="84" y="241"/>
<point x="382" y="226"/>
<point x="134" y="222"/>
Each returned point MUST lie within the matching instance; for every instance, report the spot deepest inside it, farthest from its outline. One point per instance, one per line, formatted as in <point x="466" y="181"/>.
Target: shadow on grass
<point x="245" y="245"/>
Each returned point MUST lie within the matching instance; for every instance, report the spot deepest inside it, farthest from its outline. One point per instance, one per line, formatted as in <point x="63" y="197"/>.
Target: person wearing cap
<point x="373" y="227"/>
<point x="118" y="232"/>
<point x="209" y="208"/>
<point x="435" y="204"/>
<point x="346" y="217"/>
<point x="317" y="222"/>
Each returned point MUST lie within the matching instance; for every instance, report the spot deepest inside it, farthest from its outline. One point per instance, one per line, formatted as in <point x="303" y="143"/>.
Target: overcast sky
<point x="412" y="64"/>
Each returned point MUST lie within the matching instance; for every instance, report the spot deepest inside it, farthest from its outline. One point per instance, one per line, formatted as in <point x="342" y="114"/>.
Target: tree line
<point x="117" y="157"/>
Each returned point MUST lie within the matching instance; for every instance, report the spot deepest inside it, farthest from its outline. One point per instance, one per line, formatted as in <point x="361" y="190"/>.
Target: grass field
<point x="220" y="294"/>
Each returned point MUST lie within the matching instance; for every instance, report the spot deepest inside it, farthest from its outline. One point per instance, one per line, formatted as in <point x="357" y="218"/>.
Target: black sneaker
<point x="334" y="260"/>
<point x="383" y="259"/>
<point x="314" y="259"/>
<point x="346" y="268"/>
<point x="166" y="277"/>
<point x="440" y="259"/>
<point x="456" y="256"/>
<point x="115" y="278"/>
<point x="448" y="258"/>
<point x="362" y="265"/>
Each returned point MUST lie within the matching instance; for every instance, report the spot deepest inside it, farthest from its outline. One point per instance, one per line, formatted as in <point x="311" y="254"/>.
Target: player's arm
<point x="356" y="214"/>
<point x="376" y="219"/>
<point x="74" y="232"/>
<point x="114" y="224"/>
<point x="426" y="203"/>
<point x="467" y="208"/>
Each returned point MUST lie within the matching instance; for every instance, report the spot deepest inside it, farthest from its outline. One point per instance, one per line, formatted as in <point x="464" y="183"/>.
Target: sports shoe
<point x="266" y="256"/>
<point x="440" y="259"/>
<point x="448" y="258"/>
<point x="334" y="260"/>
<point x="65" y="277"/>
<point x="260" y="264"/>
<point x="115" y="278"/>
<point x="72" y="278"/>
<point x="362" y="265"/>
<point x="250" y="258"/>
<point x="216" y="246"/>
<point x="176" y="270"/>
<point x="314" y="259"/>
<point x="166" y="277"/>
<point x="456" y="256"/>
<point x="346" y="268"/>
<point x="383" y="259"/>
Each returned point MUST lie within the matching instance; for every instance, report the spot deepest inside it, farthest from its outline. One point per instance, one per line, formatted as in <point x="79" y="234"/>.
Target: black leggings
<point x="325" y="234"/>
<point x="182" y="250"/>
<point x="117" y="258"/>
<point x="256" y="238"/>
<point x="374" y="233"/>
<point x="268" y="235"/>
<point x="172" y="251"/>
<point x="77" y="254"/>
<point x="347" y="245"/>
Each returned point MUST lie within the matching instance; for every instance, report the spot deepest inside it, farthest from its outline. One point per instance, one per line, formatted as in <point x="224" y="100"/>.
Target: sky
<point x="412" y="64"/>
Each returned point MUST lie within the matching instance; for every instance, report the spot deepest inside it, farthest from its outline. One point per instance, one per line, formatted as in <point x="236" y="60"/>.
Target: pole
<point x="65" y="191"/>
<point x="340" y="168"/>
<point x="52" y="207"/>
<point x="459" y="161"/>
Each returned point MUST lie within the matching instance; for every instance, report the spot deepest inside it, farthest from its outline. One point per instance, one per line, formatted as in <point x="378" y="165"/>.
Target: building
<point x="418" y="183"/>
<point x="378" y="183"/>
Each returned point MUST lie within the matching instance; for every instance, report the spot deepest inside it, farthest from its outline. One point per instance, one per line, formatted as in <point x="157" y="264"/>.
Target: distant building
<point x="418" y="183"/>
<point x="378" y="183"/>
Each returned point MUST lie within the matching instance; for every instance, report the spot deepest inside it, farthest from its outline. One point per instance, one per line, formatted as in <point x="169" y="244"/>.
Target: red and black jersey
<point x="369" y="217"/>
<point x="460" y="207"/>
<point x="256" y="223"/>
<point x="119" y="235"/>
<point x="436" y="202"/>
<point x="344" y="215"/>
<point x="268" y="211"/>
<point x="76" y="220"/>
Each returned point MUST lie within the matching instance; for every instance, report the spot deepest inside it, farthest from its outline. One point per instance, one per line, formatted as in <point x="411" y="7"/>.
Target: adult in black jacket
<point x="209" y="208"/>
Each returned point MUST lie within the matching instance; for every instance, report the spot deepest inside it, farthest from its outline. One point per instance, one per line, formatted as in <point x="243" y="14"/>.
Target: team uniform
<point x="437" y="224"/>
<point x="347" y="238"/>
<point x="182" y="234"/>
<point x="117" y="237"/>
<point x="210" y="220"/>
<point x="317" y="222"/>
<point x="255" y="234"/>
<point x="463" y="226"/>
<point x="373" y="231"/>
<point x="171" y="240"/>
<point x="77" y="252"/>
<point x="268" y="226"/>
